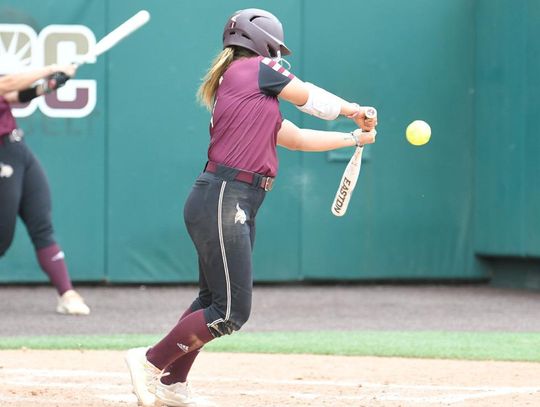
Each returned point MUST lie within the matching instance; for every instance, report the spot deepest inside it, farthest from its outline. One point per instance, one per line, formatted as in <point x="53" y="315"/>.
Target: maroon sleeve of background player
<point x="7" y="121"/>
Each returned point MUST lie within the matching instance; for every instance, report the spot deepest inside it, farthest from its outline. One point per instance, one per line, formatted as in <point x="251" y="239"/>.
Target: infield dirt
<point x="99" y="378"/>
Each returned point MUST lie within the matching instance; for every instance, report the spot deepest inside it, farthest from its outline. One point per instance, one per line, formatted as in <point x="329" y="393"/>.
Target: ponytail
<point x="208" y="88"/>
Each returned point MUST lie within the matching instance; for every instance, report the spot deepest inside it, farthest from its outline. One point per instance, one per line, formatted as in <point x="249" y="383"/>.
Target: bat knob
<point x="370" y="112"/>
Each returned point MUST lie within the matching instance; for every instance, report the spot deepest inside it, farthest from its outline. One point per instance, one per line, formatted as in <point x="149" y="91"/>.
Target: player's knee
<point x="241" y="316"/>
<point x="234" y="323"/>
<point x="39" y="226"/>
<point x="42" y="236"/>
<point x="221" y="328"/>
<point x="201" y="302"/>
<point x="224" y="328"/>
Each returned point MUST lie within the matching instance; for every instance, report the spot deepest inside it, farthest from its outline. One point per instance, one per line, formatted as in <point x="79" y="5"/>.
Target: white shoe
<point x="72" y="303"/>
<point x="174" y="395"/>
<point x="144" y="376"/>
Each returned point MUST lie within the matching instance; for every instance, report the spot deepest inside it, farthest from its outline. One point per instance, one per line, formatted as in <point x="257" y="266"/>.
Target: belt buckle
<point x="268" y="183"/>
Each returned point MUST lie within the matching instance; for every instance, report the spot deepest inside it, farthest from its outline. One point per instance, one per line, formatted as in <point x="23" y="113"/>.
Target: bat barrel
<point x="347" y="184"/>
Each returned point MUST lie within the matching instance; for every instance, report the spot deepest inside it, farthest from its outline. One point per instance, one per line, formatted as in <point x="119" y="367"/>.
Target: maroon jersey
<point x="246" y="117"/>
<point x="7" y="121"/>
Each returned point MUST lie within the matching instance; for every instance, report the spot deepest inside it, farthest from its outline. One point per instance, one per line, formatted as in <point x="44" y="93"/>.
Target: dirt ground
<point x="94" y="378"/>
<point x="99" y="378"/>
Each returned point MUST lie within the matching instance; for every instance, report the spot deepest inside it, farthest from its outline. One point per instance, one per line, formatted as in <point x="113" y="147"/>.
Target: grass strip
<point x="418" y="344"/>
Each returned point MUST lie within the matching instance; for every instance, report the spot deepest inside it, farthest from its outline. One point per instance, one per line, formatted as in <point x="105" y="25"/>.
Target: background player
<point x="241" y="89"/>
<point x="24" y="190"/>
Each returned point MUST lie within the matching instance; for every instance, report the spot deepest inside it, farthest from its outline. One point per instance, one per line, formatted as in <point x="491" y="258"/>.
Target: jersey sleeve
<point x="273" y="77"/>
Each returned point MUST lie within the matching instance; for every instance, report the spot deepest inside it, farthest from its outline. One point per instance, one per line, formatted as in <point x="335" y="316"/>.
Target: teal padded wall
<point x="72" y="151"/>
<point x="120" y="176"/>
<point x="410" y="215"/>
<point x="507" y="129"/>
<point x="157" y="143"/>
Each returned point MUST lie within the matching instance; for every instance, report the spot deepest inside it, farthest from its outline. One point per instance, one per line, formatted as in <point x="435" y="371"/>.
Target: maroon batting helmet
<point x="256" y="30"/>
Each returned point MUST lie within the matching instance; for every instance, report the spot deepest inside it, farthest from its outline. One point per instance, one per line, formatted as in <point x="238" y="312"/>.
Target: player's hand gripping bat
<point x="115" y="36"/>
<point x="350" y="175"/>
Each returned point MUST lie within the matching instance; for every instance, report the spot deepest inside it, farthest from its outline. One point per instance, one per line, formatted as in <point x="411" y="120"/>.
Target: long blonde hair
<point x="208" y="88"/>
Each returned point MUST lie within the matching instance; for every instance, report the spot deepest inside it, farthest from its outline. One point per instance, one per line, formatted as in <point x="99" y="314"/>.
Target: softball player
<point x="24" y="190"/>
<point x="242" y="90"/>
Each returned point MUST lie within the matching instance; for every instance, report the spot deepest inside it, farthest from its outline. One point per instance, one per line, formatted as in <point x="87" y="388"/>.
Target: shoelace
<point x="155" y="377"/>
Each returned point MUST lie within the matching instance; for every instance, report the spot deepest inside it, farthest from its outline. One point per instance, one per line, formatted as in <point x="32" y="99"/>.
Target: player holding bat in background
<point x="24" y="190"/>
<point x="242" y="89"/>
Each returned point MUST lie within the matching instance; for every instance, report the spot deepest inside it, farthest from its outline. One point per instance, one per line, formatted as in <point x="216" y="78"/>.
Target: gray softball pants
<point x="24" y="191"/>
<point x="220" y="219"/>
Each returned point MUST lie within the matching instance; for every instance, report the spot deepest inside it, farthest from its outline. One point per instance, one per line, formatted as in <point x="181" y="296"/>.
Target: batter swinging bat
<point x="350" y="175"/>
<point x="115" y="36"/>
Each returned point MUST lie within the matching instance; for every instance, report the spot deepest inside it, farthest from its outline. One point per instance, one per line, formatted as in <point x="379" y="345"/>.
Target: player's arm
<point x="53" y="81"/>
<point x="19" y="81"/>
<point x="320" y="103"/>
<point x="292" y="137"/>
<point x="275" y="80"/>
<point x="23" y="80"/>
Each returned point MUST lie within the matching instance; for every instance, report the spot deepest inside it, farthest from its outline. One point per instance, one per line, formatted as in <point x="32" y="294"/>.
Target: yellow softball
<point x="418" y="133"/>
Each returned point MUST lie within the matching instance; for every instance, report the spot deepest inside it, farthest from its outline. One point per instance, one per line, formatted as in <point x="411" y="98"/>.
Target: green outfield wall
<point x="464" y="207"/>
<point x="507" y="167"/>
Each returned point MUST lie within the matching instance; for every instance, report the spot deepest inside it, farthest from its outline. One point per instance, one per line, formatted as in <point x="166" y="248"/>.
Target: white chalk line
<point x="20" y="377"/>
<point x="436" y="399"/>
<point x="66" y="385"/>
<point x="39" y="400"/>
<point x="59" y="373"/>
<point x="131" y="399"/>
<point x="457" y="398"/>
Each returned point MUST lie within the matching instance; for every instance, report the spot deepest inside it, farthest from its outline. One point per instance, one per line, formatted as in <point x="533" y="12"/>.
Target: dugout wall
<point x="120" y="175"/>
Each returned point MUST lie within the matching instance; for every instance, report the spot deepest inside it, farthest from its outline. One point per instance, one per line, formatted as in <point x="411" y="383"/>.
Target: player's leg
<point x="219" y="221"/>
<point x="11" y="180"/>
<point x="189" y="334"/>
<point x="200" y="214"/>
<point x="178" y="370"/>
<point x="219" y="215"/>
<point x="227" y="269"/>
<point x="226" y="246"/>
<point x="35" y="211"/>
<point x="147" y="367"/>
<point x="204" y="299"/>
